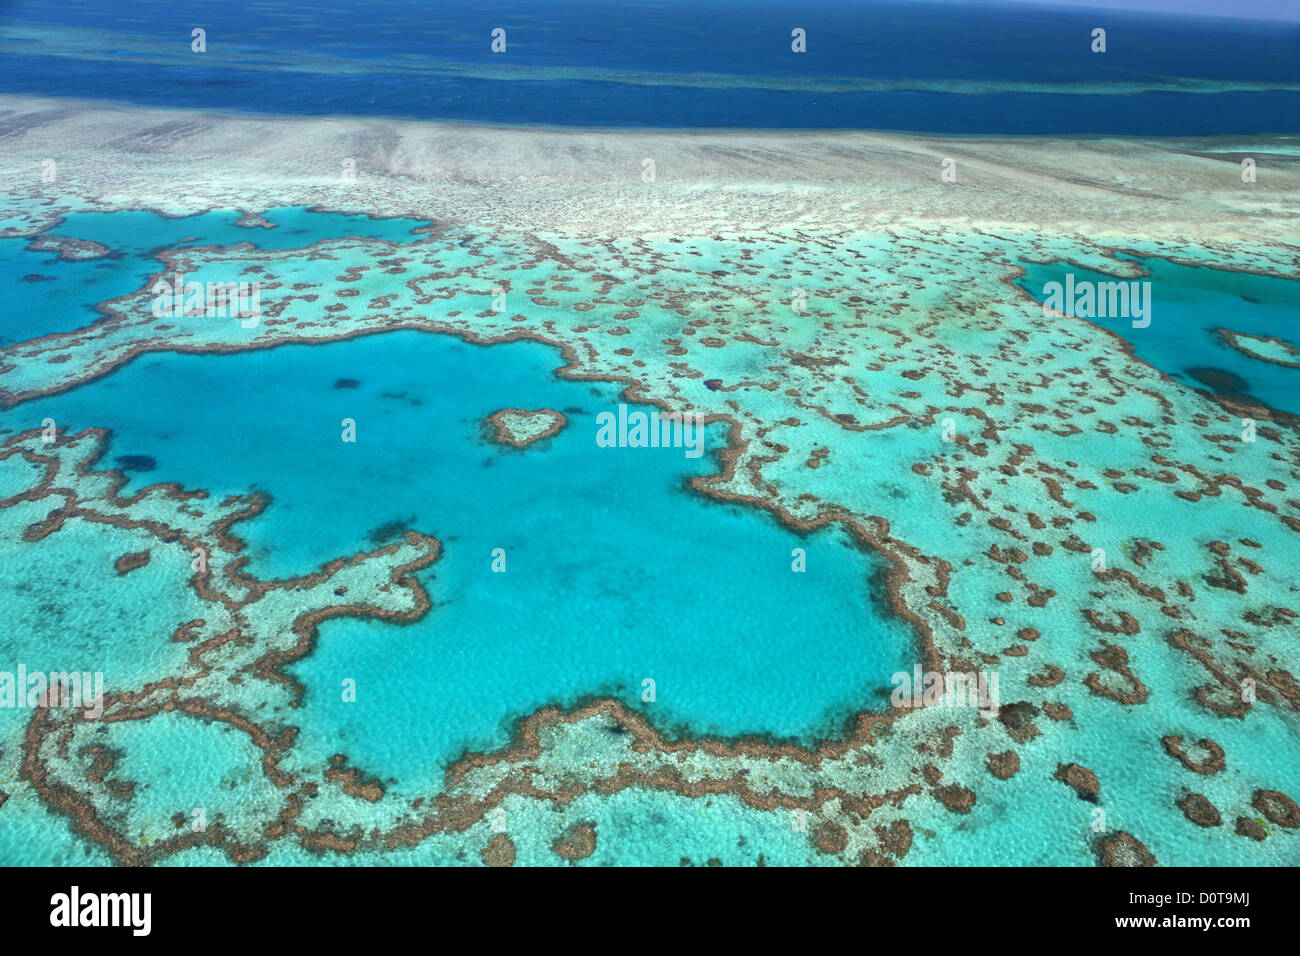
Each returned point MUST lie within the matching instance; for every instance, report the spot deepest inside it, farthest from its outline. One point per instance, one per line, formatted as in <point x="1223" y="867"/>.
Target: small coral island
<point x="1267" y="349"/>
<point x="517" y="428"/>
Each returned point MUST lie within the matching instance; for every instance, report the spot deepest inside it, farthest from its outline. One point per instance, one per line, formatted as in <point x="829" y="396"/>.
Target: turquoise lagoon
<point x="616" y="572"/>
<point x="1187" y="304"/>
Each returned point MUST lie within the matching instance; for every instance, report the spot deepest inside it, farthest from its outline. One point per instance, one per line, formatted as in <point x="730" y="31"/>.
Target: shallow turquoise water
<point x="633" y="828"/>
<point x="46" y="294"/>
<point x="1188" y="303"/>
<point x="954" y="69"/>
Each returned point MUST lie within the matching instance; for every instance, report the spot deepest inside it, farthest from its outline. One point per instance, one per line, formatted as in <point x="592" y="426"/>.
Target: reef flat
<point x="1116" y="545"/>
<point x="519" y="428"/>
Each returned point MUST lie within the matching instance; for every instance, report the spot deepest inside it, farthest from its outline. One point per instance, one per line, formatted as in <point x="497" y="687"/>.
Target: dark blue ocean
<point x="637" y="63"/>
